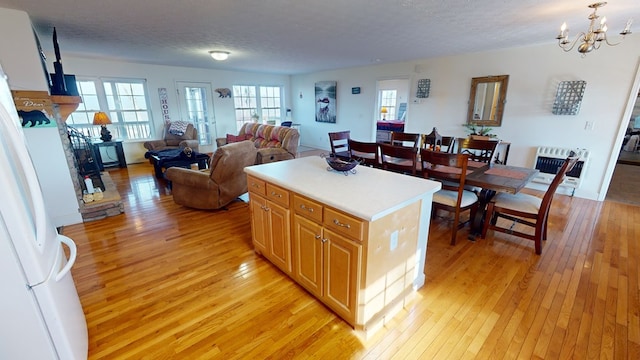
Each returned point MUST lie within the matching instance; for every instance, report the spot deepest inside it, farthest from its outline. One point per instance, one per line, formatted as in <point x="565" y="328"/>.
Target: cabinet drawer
<point x="278" y="195"/>
<point x="256" y="185"/>
<point x="307" y="208"/>
<point x="344" y="224"/>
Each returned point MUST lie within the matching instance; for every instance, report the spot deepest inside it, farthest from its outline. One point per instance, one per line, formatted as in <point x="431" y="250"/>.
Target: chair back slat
<point x="365" y="152"/>
<point x="478" y="150"/>
<point x="400" y="138"/>
<point x="339" y="142"/>
<point x="400" y="159"/>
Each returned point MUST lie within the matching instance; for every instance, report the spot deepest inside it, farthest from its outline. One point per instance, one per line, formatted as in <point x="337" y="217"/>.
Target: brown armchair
<point x="217" y="186"/>
<point x="172" y="141"/>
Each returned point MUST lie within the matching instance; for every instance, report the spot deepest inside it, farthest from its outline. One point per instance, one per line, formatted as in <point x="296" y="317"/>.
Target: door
<point x="341" y="264"/>
<point x="196" y="106"/>
<point x="259" y="222"/>
<point x="308" y="255"/>
<point x="280" y="238"/>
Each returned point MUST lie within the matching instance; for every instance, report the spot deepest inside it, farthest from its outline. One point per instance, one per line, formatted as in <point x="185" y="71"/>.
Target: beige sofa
<point x="217" y="186"/>
<point x="274" y="143"/>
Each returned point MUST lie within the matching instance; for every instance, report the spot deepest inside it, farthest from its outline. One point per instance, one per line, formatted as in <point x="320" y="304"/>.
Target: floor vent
<point x="549" y="160"/>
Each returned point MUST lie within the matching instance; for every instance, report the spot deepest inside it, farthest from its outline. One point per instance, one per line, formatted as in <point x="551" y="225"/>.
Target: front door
<point x="196" y="106"/>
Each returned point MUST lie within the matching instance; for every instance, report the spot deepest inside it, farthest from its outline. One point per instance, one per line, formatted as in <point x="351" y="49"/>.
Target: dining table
<point x="492" y="178"/>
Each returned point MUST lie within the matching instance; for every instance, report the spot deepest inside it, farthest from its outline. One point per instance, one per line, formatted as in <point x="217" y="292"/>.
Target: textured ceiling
<point x="301" y="36"/>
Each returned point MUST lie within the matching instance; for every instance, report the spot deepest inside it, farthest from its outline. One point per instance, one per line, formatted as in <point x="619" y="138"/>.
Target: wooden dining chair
<point x="403" y="138"/>
<point x="400" y="159"/>
<point x="526" y="209"/>
<point x="432" y="140"/>
<point x="339" y="142"/>
<point x="478" y="150"/>
<point x="451" y="171"/>
<point x="448" y="144"/>
<point x="365" y="152"/>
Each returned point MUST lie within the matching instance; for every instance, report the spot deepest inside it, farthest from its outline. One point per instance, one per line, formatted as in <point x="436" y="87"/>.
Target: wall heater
<point x="549" y="160"/>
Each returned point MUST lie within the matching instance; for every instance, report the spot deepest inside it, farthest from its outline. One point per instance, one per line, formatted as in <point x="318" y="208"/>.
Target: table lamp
<point x="102" y="119"/>
<point x="384" y="111"/>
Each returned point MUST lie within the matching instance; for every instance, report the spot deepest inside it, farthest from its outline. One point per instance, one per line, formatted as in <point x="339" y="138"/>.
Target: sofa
<point x="175" y="140"/>
<point x="273" y="143"/>
<point x="217" y="186"/>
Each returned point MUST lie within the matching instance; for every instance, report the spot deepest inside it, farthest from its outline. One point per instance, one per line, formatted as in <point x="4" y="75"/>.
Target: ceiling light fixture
<point x="593" y="38"/>
<point x="219" y="55"/>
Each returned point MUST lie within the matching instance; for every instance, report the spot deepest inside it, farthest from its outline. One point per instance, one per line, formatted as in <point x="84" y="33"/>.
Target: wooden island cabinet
<point x="357" y="243"/>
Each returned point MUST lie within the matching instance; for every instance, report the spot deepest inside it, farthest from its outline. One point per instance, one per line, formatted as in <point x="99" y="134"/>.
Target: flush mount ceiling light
<point x="594" y="36"/>
<point x="219" y="55"/>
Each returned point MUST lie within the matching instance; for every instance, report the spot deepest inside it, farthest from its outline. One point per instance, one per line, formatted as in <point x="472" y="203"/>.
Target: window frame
<point x="82" y="118"/>
<point x="260" y="104"/>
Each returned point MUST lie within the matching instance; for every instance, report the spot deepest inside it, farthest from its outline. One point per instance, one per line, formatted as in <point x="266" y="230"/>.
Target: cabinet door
<point x="279" y="249"/>
<point x="308" y="255"/>
<point x="342" y="260"/>
<point x="259" y="223"/>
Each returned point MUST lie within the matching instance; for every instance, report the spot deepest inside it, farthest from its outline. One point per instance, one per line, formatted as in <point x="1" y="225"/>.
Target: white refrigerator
<point x="40" y="313"/>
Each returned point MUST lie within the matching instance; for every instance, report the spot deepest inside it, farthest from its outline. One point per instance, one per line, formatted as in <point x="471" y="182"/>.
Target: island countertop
<point x="368" y="194"/>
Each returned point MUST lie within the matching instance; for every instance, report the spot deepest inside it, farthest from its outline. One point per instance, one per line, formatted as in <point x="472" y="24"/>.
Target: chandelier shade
<point x="219" y="55"/>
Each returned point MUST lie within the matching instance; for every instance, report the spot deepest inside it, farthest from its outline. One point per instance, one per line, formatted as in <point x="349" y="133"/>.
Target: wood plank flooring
<point x="166" y="282"/>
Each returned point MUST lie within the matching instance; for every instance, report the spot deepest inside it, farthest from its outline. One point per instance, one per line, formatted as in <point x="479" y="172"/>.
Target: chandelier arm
<point x="573" y="43"/>
<point x="606" y="40"/>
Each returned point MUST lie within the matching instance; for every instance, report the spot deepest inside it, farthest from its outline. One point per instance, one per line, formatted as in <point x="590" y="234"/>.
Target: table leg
<point x="477" y="222"/>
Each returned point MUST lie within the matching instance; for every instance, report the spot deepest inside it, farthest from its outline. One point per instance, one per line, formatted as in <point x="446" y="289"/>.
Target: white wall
<point x="166" y="77"/>
<point x="534" y="72"/>
<point x="20" y="59"/>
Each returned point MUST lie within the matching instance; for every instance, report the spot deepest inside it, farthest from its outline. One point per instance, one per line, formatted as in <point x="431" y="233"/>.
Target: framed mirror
<point x="486" y="100"/>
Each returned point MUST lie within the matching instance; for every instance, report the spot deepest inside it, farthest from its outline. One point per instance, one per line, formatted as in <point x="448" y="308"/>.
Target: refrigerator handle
<point x="31" y="176"/>
<point x="73" y="252"/>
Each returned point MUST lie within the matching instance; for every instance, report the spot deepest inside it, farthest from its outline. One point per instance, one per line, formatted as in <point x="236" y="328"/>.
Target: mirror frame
<point x="502" y="99"/>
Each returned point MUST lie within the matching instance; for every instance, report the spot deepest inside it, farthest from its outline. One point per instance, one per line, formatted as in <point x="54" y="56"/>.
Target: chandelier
<point x="594" y="37"/>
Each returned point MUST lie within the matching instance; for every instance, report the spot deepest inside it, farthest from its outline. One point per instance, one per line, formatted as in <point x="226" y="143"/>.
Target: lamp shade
<point x="383" y="110"/>
<point x="219" y="55"/>
<point x="101" y="118"/>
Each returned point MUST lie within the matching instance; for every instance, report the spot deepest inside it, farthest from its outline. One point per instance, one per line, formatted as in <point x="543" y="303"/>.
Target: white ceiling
<point x="302" y="36"/>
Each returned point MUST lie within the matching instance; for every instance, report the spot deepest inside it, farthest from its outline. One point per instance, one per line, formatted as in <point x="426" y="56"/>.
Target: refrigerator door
<point x="36" y="250"/>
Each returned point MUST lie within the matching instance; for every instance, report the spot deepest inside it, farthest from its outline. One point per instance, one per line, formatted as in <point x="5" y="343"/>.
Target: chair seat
<point x="449" y="198"/>
<point x="520" y="202"/>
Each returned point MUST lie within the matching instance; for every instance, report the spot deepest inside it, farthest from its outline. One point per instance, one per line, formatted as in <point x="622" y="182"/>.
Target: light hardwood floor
<point x="165" y="282"/>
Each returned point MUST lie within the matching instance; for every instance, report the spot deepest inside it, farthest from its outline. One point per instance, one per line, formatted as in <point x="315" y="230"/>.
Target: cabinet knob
<point x="317" y="236"/>
<point x="335" y="221"/>
<point x="324" y="240"/>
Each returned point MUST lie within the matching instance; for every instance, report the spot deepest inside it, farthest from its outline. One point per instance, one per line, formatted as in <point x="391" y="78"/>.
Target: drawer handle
<point x="273" y="193"/>
<point x="255" y="185"/>
<point x="264" y="208"/>
<point x="335" y="221"/>
<point x="306" y="208"/>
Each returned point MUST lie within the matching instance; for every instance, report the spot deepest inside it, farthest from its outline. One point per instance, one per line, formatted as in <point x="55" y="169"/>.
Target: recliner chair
<point x="217" y="186"/>
<point x="173" y="141"/>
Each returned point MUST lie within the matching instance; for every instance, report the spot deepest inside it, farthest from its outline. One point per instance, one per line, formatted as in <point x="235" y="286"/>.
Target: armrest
<point x="155" y="144"/>
<point x="188" y="177"/>
<point x="221" y="141"/>
<point x="193" y="144"/>
<point x="267" y="155"/>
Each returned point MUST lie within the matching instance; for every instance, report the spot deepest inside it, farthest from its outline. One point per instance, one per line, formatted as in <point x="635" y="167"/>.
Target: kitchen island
<point x="357" y="242"/>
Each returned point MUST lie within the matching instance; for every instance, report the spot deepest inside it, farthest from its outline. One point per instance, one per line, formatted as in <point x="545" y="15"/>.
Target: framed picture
<point x="326" y="101"/>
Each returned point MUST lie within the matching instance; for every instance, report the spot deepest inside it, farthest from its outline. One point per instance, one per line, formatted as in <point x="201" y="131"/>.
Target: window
<point x="125" y="101"/>
<point x="263" y="101"/>
<point x="388" y="102"/>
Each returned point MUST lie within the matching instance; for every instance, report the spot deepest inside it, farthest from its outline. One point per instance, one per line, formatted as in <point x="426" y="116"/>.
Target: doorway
<point x="390" y="113"/>
<point x="196" y="106"/>
<point x="625" y="181"/>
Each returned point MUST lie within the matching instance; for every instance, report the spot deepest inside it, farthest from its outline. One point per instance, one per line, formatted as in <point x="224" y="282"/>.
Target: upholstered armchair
<point x="217" y="186"/>
<point x="173" y="140"/>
